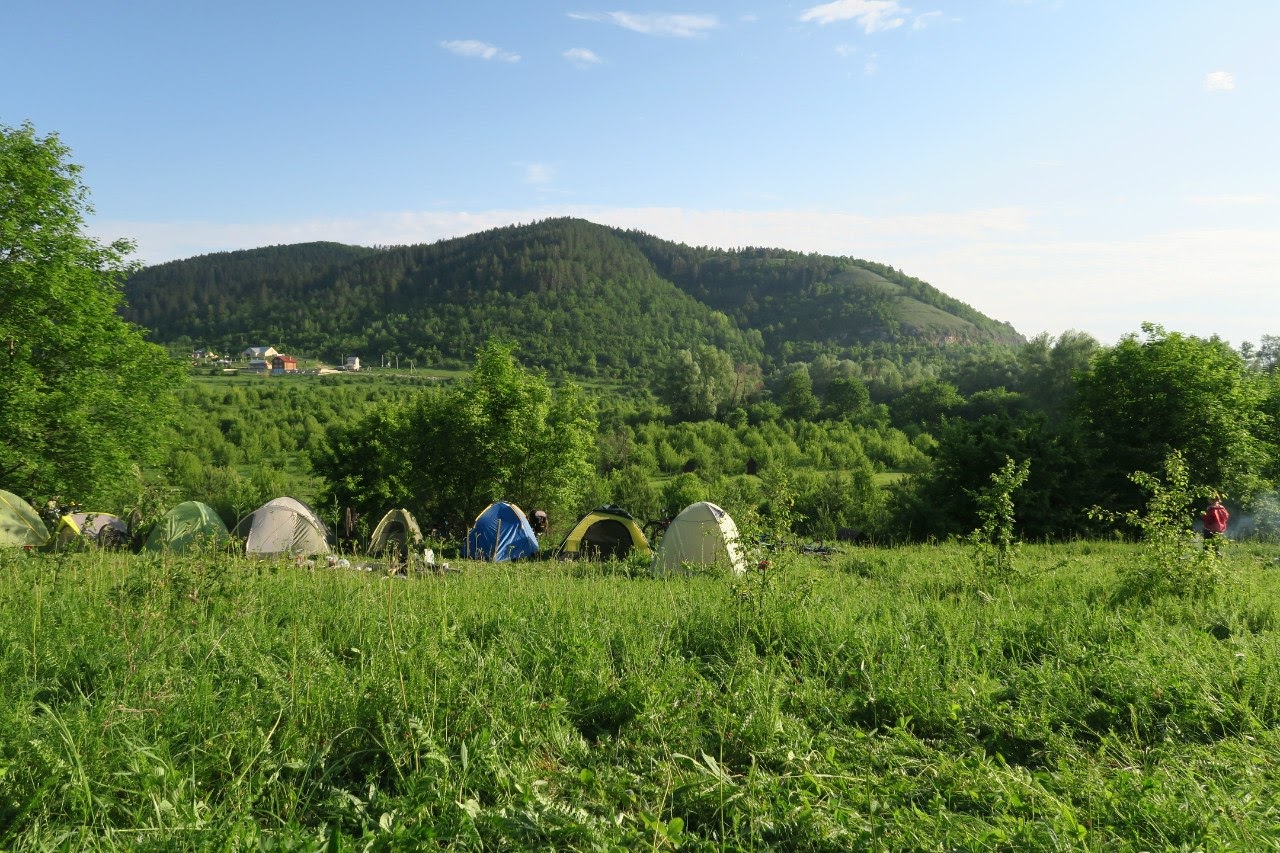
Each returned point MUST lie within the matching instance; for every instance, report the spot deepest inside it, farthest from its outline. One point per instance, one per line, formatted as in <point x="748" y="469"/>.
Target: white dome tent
<point x="702" y="534"/>
<point x="283" y="526"/>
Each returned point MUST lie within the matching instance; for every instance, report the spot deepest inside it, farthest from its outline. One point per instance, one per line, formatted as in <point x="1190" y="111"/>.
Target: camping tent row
<point x="703" y="534"/>
<point x="502" y="532"/>
<point x="280" y="526"/>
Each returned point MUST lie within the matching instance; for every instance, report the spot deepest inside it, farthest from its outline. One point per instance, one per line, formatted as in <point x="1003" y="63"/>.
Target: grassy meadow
<point x="869" y="699"/>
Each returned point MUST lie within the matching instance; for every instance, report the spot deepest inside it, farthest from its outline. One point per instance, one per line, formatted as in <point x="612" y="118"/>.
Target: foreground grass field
<point x="877" y="699"/>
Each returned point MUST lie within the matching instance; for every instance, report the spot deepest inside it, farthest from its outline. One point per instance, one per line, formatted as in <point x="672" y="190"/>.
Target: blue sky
<point x="1056" y="164"/>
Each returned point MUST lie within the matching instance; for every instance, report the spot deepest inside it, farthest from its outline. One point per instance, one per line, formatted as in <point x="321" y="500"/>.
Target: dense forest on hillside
<point x="805" y="304"/>
<point x="578" y="298"/>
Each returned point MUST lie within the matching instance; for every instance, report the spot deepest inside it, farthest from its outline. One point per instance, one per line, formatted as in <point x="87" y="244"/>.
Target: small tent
<point x="283" y="526"/>
<point x="606" y="531"/>
<point x="501" y="533"/>
<point x="396" y="534"/>
<point x="20" y="524"/>
<point x="702" y="534"/>
<point x="91" y="528"/>
<point x="186" y="527"/>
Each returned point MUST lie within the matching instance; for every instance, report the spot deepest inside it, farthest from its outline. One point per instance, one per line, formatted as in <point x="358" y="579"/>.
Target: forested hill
<point x="576" y="296"/>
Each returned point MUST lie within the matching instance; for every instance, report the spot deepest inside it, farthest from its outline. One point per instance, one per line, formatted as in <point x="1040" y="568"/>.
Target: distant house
<point x="262" y="353"/>
<point x="259" y="365"/>
<point x="352" y="363"/>
<point x="283" y="364"/>
<point x="204" y="354"/>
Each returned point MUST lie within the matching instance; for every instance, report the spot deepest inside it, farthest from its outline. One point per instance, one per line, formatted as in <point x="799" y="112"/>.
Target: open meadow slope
<point x="877" y="699"/>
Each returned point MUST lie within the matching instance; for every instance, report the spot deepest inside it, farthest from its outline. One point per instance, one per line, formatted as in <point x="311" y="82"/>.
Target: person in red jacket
<point x="1215" y="524"/>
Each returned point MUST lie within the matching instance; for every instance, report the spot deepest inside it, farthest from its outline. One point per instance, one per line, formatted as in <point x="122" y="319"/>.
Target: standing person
<point x="1215" y="524"/>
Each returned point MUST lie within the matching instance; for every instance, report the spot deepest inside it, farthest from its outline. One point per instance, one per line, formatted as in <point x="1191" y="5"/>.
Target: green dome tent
<point x="188" y="526"/>
<point x="20" y="525"/>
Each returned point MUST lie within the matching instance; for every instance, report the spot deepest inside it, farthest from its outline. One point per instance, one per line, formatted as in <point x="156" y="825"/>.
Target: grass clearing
<point x="181" y="703"/>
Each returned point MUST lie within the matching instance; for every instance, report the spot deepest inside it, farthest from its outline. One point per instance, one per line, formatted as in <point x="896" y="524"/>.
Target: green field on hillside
<point x="883" y="699"/>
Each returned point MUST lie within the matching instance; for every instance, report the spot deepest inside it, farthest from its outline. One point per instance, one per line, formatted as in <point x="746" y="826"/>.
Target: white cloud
<point x="654" y="24"/>
<point x="475" y="49"/>
<point x="1219" y="81"/>
<point x="872" y="15"/>
<point x="581" y="57"/>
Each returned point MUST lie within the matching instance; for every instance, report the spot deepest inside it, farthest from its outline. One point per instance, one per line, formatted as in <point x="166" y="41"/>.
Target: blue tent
<point x="500" y="533"/>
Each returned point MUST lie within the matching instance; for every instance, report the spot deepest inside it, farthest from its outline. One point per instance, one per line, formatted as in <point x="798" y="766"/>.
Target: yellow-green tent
<point x="20" y="524"/>
<point x="606" y="531"/>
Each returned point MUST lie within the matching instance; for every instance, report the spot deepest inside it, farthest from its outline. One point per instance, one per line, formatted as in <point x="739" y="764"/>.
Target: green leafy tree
<point x="925" y="404"/>
<point x="501" y="434"/>
<point x="846" y="397"/>
<point x="699" y="382"/>
<point x="680" y="491"/>
<point x="1145" y="399"/>
<point x="83" y="397"/>
<point x="795" y="394"/>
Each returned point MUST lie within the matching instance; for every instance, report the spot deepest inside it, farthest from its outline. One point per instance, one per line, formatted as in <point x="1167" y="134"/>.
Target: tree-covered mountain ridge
<point x="577" y="297"/>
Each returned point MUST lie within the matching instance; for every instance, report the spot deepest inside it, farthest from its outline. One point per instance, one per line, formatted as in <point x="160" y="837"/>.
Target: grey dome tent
<point x="91" y="528"/>
<point x="702" y="534"/>
<point x="283" y="526"/>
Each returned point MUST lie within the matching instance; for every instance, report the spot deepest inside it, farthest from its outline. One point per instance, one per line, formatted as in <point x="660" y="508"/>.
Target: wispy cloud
<point x="475" y="49"/>
<point x="654" y="23"/>
<point x="878" y="238"/>
<point x="539" y="174"/>
<point x="1232" y="199"/>
<point x="872" y="15"/>
<point x="1219" y="81"/>
<point x="581" y="57"/>
<point x="928" y="19"/>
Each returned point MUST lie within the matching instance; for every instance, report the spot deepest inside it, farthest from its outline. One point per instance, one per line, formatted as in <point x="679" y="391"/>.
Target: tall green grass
<point x="901" y="702"/>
